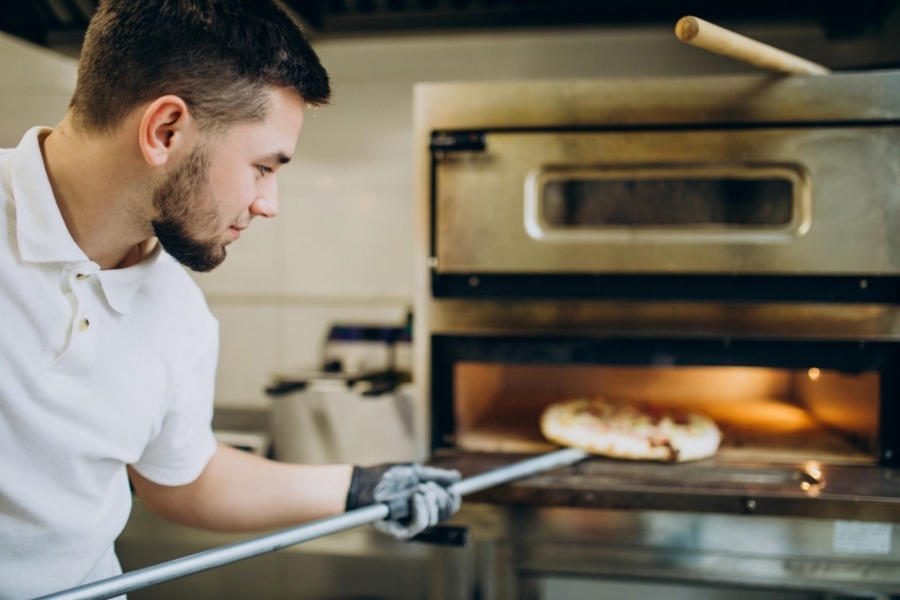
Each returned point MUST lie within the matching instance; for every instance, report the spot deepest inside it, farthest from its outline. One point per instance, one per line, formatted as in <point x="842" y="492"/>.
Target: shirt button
<point x="83" y="324"/>
<point x="81" y="276"/>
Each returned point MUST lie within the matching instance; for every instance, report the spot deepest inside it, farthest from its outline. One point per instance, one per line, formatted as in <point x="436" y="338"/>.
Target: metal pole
<point x="545" y="462"/>
<point x="203" y="561"/>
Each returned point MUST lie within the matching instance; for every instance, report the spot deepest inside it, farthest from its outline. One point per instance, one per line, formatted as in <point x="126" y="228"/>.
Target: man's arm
<point x="238" y="491"/>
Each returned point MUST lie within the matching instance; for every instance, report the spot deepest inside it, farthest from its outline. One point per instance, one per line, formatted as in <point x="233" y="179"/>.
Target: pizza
<point x="631" y="430"/>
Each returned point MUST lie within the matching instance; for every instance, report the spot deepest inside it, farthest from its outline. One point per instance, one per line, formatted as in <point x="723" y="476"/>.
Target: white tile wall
<point x="25" y="66"/>
<point x="259" y="339"/>
<point x="36" y="87"/>
<point x="304" y="327"/>
<point x="249" y="353"/>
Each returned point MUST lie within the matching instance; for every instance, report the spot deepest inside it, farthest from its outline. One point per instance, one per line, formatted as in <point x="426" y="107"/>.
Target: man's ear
<point x="166" y="128"/>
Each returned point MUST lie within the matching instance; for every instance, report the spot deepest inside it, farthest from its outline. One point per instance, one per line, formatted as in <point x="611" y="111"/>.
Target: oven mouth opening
<point x="766" y="415"/>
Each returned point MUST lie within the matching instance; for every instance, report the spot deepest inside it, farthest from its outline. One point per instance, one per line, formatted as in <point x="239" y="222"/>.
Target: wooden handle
<point x="704" y="34"/>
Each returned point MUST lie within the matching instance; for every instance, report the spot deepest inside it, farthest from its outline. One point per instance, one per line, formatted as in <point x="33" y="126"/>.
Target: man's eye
<point x="263" y="170"/>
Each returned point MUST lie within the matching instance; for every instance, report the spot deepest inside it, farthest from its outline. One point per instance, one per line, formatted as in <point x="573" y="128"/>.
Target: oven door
<point x="817" y="201"/>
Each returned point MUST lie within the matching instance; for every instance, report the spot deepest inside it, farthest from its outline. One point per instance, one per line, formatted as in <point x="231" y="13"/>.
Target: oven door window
<point x="691" y="201"/>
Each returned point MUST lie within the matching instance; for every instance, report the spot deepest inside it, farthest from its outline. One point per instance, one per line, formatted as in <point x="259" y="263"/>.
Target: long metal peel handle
<point x="203" y="561"/>
<point x="209" y="559"/>
<point x="538" y="464"/>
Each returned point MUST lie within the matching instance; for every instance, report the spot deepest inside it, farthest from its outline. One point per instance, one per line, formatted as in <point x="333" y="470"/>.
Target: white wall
<point x="35" y="89"/>
<point x="342" y="247"/>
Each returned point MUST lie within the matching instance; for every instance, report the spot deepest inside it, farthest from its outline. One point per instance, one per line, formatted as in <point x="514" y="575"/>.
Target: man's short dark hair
<point x="219" y="56"/>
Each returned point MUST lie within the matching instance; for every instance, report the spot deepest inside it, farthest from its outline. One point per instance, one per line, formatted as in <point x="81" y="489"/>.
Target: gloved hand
<point x="425" y="489"/>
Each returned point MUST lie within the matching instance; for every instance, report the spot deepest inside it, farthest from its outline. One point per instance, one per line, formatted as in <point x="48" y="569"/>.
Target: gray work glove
<point x="424" y="492"/>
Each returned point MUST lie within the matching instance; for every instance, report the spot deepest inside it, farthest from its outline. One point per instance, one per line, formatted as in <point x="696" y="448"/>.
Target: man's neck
<point x="93" y="180"/>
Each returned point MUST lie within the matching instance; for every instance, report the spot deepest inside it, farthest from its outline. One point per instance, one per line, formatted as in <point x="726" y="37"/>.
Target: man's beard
<point x="184" y="207"/>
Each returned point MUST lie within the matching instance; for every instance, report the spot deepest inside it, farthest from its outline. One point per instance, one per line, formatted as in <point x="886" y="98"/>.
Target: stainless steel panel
<point x="749" y="550"/>
<point x="770" y="98"/>
<point x="799" y="321"/>
<point x="846" y="181"/>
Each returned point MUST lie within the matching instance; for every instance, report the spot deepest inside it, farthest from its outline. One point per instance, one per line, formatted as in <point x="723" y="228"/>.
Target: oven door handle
<point x="210" y="559"/>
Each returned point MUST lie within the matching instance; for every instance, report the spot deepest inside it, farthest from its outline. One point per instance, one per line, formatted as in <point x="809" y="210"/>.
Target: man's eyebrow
<point x="277" y="157"/>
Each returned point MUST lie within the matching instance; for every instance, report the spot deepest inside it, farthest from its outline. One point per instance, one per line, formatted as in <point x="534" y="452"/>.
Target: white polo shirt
<point x="98" y="370"/>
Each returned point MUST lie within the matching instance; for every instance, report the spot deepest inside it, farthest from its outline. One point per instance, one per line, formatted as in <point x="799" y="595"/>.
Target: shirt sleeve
<point x="185" y="442"/>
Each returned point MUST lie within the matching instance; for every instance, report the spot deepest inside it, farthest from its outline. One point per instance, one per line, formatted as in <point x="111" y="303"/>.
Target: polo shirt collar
<point x="121" y="285"/>
<point x="41" y="231"/>
<point x="42" y="234"/>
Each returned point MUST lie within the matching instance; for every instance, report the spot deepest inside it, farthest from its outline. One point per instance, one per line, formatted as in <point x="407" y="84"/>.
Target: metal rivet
<point x="749" y="505"/>
<point x="889" y="454"/>
<point x="863" y="284"/>
<point x="473" y="281"/>
<point x="432" y="262"/>
<point x="83" y="324"/>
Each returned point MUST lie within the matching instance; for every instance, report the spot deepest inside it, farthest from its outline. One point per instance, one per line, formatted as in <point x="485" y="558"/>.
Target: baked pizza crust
<point x="631" y="430"/>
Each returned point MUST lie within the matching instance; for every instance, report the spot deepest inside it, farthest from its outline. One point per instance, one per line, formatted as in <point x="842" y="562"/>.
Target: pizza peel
<point x="210" y="559"/>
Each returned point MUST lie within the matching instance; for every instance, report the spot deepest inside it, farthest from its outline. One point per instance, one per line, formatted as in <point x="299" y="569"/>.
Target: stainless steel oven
<point x="731" y="244"/>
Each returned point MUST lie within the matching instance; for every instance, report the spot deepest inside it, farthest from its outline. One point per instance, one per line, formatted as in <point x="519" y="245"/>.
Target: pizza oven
<point x="727" y="244"/>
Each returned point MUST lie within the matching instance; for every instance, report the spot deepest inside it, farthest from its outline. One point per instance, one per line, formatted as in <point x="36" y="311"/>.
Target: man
<point x="184" y="111"/>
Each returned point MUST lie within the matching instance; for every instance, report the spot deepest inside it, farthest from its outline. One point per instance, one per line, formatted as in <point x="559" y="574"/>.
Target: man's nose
<point x="265" y="205"/>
